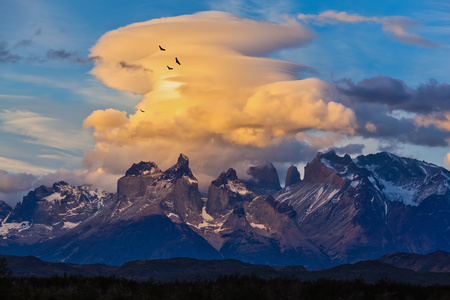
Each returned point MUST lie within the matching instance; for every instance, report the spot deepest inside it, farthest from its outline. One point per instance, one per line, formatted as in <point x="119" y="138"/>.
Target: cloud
<point x="225" y="105"/>
<point x="43" y="130"/>
<point x="19" y="166"/>
<point x="10" y="183"/>
<point x="62" y="54"/>
<point x="261" y="9"/>
<point x="24" y="43"/>
<point x="428" y="98"/>
<point x="349" y="149"/>
<point x="387" y="108"/>
<point x="96" y="178"/>
<point x="396" y="27"/>
<point x="6" y="56"/>
<point x="447" y="161"/>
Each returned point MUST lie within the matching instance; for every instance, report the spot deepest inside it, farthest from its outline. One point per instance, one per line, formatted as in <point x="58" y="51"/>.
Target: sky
<point x="85" y="90"/>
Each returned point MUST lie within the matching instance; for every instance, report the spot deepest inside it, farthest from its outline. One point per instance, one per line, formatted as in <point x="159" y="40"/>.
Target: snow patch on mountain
<point x="399" y="193"/>
<point x="205" y="215"/>
<point x="53" y="197"/>
<point x="260" y="226"/>
<point x="7" y="228"/>
<point x="70" y="225"/>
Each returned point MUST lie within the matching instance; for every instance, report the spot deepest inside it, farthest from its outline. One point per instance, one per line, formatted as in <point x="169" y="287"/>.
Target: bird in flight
<point x="169" y="68"/>
<point x="142" y="110"/>
<point x="161" y="48"/>
<point x="177" y="61"/>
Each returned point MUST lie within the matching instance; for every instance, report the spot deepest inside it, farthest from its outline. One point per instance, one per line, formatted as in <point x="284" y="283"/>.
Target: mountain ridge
<point x="343" y="211"/>
<point x="191" y="269"/>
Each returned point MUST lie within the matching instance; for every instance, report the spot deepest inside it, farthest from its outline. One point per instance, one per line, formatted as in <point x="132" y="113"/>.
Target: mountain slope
<point x="438" y="261"/>
<point x="148" y="220"/>
<point x="370" y="206"/>
<point x="49" y="212"/>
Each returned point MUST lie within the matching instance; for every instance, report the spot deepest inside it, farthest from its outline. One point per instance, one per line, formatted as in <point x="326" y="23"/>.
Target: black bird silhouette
<point x="169" y="68"/>
<point x="161" y="48"/>
<point x="142" y="110"/>
<point x="176" y="60"/>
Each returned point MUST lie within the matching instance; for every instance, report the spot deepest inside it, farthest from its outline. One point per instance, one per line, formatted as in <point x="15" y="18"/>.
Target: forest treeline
<point x="224" y="287"/>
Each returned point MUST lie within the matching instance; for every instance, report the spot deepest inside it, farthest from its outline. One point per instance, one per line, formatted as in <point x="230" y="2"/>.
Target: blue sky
<point x="47" y="90"/>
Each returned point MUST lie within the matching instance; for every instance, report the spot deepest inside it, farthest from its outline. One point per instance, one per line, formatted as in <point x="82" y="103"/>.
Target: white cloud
<point x="225" y="103"/>
<point x="397" y="27"/>
<point x="18" y="166"/>
<point x="43" y="130"/>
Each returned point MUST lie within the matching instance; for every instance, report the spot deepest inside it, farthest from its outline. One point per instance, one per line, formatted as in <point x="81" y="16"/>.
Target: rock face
<point x="5" y="211"/>
<point x="264" y="179"/>
<point x="292" y="176"/>
<point x="226" y="191"/>
<point x="244" y="226"/>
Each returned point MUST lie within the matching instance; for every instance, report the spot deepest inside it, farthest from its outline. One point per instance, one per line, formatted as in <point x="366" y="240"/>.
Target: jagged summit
<point x="180" y="169"/>
<point x="60" y="184"/>
<point x="226" y="191"/>
<point x="142" y="168"/>
<point x="224" y="177"/>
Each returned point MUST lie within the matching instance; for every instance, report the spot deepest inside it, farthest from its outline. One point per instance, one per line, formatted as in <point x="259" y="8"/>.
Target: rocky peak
<point x="335" y="161"/>
<point x="226" y="191"/>
<point x="292" y="176"/>
<point x="320" y="171"/>
<point x="394" y="168"/>
<point x="142" y="168"/>
<point x="264" y="179"/>
<point x="60" y="185"/>
<point x="224" y="177"/>
<point x="180" y="169"/>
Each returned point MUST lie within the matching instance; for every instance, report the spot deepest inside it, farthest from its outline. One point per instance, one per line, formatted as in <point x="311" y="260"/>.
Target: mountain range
<point x="190" y="269"/>
<point x="343" y="211"/>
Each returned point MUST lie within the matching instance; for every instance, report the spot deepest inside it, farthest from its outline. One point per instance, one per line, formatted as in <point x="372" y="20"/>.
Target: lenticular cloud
<point x="226" y="99"/>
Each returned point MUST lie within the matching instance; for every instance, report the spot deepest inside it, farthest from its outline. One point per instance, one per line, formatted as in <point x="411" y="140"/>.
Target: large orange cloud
<point x="226" y="99"/>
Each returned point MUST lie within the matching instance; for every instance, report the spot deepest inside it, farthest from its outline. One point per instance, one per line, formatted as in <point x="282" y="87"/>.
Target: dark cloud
<point x="375" y="99"/>
<point x="62" y="54"/>
<point x="128" y="66"/>
<point x="349" y="149"/>
<point x="400" y="129"/>
<point x="6" y="56"/>
<point x="59" y="54"/>
<point x="38" y="31"/>
<point x="96" y="58"/>
<point x="23" y="43"/>
<point x="429" y="97"/>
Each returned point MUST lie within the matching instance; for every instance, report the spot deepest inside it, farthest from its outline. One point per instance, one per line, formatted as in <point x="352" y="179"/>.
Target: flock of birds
<point x="176" y="61"/>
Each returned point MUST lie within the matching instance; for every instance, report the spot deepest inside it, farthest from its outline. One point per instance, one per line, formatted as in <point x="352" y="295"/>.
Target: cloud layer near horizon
<point x="226" y="105"/>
